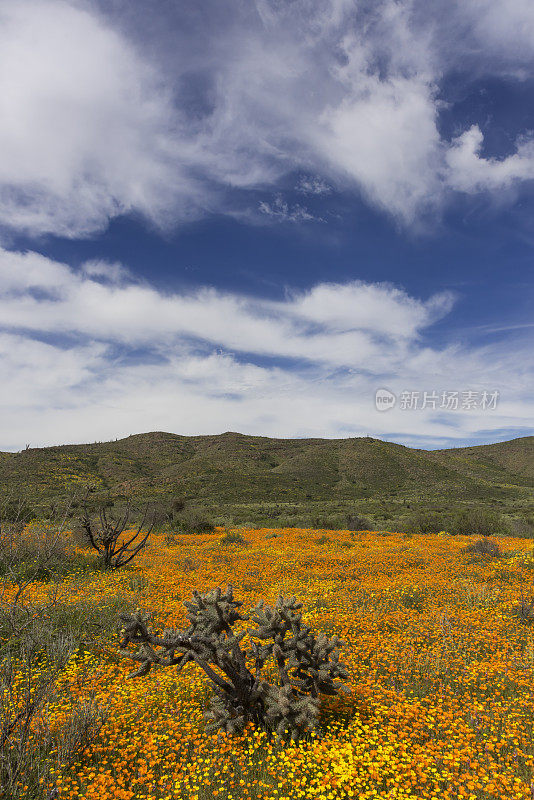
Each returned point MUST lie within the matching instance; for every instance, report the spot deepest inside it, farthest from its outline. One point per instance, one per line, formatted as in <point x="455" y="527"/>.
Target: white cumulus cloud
<point x="97" y="121"/>
<point x="93" y="354"/>
<point x="86" y="125"/>
<point x="470" y="172"/>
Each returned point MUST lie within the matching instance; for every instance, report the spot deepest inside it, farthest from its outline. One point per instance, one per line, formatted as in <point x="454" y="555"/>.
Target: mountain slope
<point x="235" y="468"/>
<point x="515" y="457"/>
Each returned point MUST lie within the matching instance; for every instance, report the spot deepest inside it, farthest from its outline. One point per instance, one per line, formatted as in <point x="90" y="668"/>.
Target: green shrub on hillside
<point x="193" y="521"/>
<point x="423" y="522"/>
<point x="523" y="528"/>
<point x="476" y="521"/>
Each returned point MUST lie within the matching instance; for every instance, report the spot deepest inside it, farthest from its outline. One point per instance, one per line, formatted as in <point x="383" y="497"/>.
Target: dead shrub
<point x="486" y="547"/>
<point x="111" y="538"/>
<point x="29" y="744"/>
<point x="188" y="564"/>
<point x="525" y="611"/>
<point x="357" y="522"/>
<point x="36" y="552"/>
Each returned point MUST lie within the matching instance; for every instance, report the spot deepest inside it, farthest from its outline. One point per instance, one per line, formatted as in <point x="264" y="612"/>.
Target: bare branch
<point x="106" y="540"/>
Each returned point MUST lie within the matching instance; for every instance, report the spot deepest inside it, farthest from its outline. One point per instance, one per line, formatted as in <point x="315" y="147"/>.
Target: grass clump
<point x="413" y="598"/>
<point x="232" y="537"/>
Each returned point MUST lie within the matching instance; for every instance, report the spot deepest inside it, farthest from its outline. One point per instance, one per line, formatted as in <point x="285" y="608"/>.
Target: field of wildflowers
<point x="440" y="668"/>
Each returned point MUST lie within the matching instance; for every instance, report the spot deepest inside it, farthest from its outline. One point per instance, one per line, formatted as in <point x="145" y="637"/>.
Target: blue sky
<point x="251" y="215"/>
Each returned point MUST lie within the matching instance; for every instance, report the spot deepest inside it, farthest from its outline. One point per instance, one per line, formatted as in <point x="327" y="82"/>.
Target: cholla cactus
<point x="307" y="666"/>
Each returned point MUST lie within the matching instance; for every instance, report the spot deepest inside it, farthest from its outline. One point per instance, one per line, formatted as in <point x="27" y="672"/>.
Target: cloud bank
<point x="96" y="122"/>
<point x="92" y="354"/>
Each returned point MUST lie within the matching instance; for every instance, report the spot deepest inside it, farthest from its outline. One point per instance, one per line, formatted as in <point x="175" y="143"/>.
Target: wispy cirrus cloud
<point x="506" y="30"/>
<point x="308" y="184"/>
<point x="93" y="354"/>
<point x="281" y="211"/>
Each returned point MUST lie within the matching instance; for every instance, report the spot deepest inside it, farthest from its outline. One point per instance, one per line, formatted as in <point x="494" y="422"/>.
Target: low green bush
<point x="423" y="521"/>
<point x="193" y="521"/>
<point x="478" y="522"/>
<point x="232" y="537"/>
<point x="522" y="528"/>
<point x="38" y="553"/>
<point x="413" y="598"/>
<point x="475" y="521"/>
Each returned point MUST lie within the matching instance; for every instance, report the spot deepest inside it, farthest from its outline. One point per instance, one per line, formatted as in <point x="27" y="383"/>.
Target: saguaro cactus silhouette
<point x="307" y="665"/>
